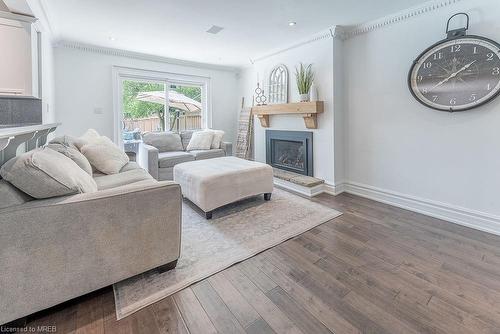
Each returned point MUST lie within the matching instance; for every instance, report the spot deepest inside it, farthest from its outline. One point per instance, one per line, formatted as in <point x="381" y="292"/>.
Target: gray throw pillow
<point x="74" y="154"/>
<point x="68" y="141"/>
<point x="45" y="173"/>
<point x="163" y="141"/>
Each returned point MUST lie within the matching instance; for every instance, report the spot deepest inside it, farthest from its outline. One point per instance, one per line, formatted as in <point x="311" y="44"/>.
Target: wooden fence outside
<point x="185" y="122"/>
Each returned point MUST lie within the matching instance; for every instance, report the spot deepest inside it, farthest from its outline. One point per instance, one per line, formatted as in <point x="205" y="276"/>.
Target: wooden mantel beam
<point x="308" y="110"/>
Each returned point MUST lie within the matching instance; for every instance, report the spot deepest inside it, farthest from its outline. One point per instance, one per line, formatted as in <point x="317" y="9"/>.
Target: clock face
<point x="457" y="74"/>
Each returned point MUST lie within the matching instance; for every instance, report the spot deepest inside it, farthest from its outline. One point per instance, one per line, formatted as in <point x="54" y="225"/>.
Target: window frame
<point x="120" y="74"/>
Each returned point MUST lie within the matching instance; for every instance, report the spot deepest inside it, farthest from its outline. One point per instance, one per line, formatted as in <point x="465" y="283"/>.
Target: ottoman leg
<point x="208" y="215"/>
<point x="267" y="196"/>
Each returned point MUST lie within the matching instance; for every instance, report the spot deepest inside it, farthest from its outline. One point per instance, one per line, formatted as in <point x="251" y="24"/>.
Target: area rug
<point x="236" y="232"/>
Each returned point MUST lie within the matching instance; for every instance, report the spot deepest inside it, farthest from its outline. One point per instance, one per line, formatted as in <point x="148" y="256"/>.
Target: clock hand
<point x="453" y="75"/>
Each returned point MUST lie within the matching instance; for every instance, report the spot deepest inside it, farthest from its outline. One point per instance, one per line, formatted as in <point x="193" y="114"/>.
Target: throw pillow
<point x="88" y="137"/>
<point x="105" y="156"/>
<point x="68" y="141"/>
<point x="201" y="140"/>
<point x="45" y="173"/>
<point x="163" y="141"/>
<point x="217" y="140"/>
<point x="74" y="154"/>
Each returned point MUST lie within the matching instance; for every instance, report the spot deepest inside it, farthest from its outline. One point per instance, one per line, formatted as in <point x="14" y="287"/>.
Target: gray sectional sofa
<point x="56" y="249"/>
<point x="158" y="155"/>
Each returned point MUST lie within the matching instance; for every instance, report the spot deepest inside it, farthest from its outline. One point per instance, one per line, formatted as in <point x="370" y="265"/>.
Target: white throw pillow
<point x="88" y="137"/>
<point x="45" y="173"/>
<point x="217" y="140"/>
<point x="105" y="156"/>
<point x="201" y="140"/>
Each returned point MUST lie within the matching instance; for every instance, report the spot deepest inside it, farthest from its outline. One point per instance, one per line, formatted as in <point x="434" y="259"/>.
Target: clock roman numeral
<point x="438" y="56"/>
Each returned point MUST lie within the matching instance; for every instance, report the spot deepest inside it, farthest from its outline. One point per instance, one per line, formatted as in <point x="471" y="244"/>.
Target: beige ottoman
<point x="213" y="183"/>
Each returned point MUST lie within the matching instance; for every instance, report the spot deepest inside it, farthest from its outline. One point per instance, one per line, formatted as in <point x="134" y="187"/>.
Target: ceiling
<point x="177" y="28"/>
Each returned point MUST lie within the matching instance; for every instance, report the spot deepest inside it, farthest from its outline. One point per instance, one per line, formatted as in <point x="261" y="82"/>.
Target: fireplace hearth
<point x="290" y="150"/>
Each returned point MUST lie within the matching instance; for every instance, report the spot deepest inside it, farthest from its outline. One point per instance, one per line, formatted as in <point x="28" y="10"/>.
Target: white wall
<point x="84" y="83"/>
<point x="397" y="146"/>
<point x="320" y="53"/>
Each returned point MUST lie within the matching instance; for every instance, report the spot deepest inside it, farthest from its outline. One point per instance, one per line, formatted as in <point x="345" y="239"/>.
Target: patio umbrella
<point x="175" y="100"/>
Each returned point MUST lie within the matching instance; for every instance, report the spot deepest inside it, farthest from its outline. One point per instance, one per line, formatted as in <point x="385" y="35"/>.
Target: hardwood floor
<point x="375" y="269"/>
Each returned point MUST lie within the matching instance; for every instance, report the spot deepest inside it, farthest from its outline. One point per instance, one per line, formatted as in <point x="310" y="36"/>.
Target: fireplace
<point x="290" y="150"/>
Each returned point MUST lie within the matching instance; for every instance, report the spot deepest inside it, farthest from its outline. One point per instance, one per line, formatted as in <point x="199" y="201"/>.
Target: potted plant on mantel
<point x="305" y="78"/>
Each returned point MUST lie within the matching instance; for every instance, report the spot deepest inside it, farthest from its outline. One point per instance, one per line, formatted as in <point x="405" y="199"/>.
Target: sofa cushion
<point x="74" y="154"/>
<point x="121" y="179"/>
<point x="10" y="195"/>
<point x="105" y="156"/>
<point x="201" y="140"/>
<point x="130" y="166"/>
<point x="45" y="173"/>
<point x="207" y="154"/>
<point x="170" y="159"/>
<point x="163" y="141"/>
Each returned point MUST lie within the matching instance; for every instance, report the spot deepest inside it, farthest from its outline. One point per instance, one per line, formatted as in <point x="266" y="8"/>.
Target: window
<point x="154" y="101"/>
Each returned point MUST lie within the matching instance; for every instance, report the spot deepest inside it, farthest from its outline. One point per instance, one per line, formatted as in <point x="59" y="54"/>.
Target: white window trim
<point x="120" y="73"/>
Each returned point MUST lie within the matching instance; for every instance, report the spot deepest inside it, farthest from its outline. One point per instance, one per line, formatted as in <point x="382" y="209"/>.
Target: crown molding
<point x="140" y="56"/>
<point x="399" y="17"/>
<point x="334" y="32"/>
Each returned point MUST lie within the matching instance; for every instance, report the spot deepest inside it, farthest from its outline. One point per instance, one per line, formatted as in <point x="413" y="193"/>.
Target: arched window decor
<point x="278" y="85"/>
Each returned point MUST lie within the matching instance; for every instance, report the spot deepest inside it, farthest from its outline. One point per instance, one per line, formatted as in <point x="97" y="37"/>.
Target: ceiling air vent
<point x="214" y="30"/>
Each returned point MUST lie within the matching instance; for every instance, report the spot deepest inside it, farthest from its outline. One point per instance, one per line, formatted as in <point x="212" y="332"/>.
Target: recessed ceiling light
<point x="112" y="38"/>
<point x="292" y="23"/>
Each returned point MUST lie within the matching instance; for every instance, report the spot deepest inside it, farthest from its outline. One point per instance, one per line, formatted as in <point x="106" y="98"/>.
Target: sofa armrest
<point x="57" y="249"/>
<point x="227" y="147"/>
<point x="147" y="157"/>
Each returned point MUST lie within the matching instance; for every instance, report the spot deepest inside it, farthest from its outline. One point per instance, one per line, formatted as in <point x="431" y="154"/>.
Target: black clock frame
<point x="446" y="40"/>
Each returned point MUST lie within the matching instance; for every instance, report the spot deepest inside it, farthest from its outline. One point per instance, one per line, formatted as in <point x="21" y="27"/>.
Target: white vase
<point x="314" y="93"/>
<point x="304" y="97"/>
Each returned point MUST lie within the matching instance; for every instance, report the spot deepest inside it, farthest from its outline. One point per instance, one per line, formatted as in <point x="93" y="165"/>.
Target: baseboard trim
<point x="462" y="216"/>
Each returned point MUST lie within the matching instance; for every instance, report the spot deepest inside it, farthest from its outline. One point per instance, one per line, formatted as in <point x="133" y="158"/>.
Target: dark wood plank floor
<point x="376" y="269"/>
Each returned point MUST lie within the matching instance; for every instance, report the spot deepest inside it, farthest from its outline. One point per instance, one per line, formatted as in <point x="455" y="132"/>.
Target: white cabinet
<point x="17" y="57"/>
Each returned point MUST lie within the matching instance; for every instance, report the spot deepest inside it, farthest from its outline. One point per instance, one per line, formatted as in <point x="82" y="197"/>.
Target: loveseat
<point x="161" y="151"/>
<point x="59" y="248"/>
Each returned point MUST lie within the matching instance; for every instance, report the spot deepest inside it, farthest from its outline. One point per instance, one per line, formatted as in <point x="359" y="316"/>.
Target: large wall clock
<point x="458" y="73"/>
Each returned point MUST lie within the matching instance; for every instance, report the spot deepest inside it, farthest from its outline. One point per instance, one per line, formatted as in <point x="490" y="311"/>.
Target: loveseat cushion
<point x="163" y="141"/>
<point x="10" y="195"/>
<point x="170" y="159"/>
<point x="207" y="154"/>
<point x="122" y="179"/>
<point x="186" y="137"/>
<point x="45" y="173"/>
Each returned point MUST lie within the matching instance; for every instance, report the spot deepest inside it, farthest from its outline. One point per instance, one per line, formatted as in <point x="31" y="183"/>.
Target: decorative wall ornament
<point x="278" y="85"/>
<point x="259" y="97"/>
